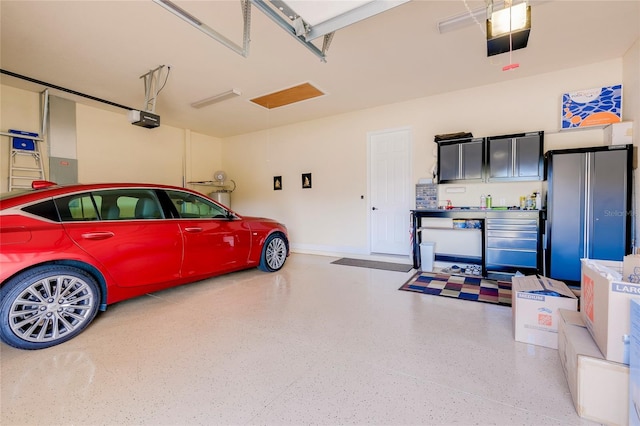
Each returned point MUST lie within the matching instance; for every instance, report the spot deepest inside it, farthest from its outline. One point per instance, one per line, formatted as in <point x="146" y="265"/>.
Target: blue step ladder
<point x="25" y="163"/>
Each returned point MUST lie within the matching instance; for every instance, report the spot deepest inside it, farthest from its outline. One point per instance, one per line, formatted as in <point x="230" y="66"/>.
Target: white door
<point x="391" y="191"/>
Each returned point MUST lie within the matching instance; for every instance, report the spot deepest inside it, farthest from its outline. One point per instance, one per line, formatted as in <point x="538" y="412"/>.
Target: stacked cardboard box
<point x="609" y="291"/>
<point x="593" y="344"/>
<point x="606" y="304"/>
<point x="535" y="301"/>
<point x="599" y="388"/>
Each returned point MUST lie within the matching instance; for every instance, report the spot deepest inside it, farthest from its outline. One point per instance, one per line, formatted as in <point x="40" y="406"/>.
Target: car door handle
<point x="98" y="235"/>
<point x="193" y="229"/>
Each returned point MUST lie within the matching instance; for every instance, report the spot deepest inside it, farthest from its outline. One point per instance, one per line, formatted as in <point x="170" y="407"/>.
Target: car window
<point x="77" y="207"/>
<point x="45" y="209"/>
<point x="127" y="204"/>
<point x="113" y="204"/>
<point x="192" y="206"/>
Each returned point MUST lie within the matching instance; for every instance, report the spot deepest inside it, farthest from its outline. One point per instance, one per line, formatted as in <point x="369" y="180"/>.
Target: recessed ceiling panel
<point x="288" y="96"/>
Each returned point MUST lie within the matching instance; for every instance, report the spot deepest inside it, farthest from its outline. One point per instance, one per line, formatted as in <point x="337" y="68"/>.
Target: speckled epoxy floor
<point x="315" y="343"/>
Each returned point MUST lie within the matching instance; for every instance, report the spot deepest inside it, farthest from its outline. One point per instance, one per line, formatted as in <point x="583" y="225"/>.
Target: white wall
<point x="20" y="110"/>
<point x="121" y="152"/>
<point x="110" y="149"/>
<point x="331" y="217"/>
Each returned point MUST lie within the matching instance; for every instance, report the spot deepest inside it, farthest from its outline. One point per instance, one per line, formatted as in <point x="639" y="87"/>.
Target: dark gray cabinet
<point x="589" y="199"/>
<point x="512" y="242"/>
<point x="516" y="157"/>
<point x="461" y="160"/>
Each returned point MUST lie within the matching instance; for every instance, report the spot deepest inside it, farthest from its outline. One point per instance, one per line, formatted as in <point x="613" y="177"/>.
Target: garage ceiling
<point x="101" y="48"/>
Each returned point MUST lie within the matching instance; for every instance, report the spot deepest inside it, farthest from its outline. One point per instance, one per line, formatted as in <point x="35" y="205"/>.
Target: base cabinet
<point x="510" y="240"/>
<point x="512" y="244"/>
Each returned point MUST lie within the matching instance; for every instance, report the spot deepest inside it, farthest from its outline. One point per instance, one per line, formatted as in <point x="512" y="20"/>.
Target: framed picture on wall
<point x="592" y="107"/>
<point x="277" y="183"/>
<point x="306" y="180"/>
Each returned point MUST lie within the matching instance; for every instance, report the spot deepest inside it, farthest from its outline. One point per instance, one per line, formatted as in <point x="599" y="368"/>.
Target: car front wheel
<point x="274" y="253"/>
<point x="46" y="306"/>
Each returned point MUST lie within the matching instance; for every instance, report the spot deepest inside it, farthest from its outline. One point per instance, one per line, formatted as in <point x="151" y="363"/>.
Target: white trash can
<point x="427" y="256"/>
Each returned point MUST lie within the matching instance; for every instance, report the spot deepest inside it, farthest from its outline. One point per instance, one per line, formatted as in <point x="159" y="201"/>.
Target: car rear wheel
<point x="274" y="253"/>
<point x="46" y="306"/>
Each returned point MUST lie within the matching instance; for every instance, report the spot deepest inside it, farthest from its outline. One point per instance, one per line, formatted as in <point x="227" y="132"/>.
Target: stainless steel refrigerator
<point x="589" y="210"/>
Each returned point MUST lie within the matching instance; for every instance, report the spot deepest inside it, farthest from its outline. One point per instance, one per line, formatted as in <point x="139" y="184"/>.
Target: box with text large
<point x="605" y="306"/>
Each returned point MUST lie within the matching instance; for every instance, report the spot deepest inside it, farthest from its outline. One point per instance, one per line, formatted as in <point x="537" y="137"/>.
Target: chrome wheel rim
<point x="51" y="308"/>
<point x="276" y="253"/>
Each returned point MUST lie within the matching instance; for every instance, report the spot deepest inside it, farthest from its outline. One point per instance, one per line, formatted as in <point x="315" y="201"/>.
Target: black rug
<point x="387" y="266"/>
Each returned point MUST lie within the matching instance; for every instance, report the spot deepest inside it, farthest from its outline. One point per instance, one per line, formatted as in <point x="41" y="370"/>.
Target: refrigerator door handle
<point x="514" y="162"/>
<point x="586" y="206"/>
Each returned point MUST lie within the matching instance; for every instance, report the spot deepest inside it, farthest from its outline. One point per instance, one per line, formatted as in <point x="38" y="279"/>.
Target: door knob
<point x="374" y="208"/>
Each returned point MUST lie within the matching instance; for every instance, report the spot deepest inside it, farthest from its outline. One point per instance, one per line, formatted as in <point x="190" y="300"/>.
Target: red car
<point x="68" y="251"/>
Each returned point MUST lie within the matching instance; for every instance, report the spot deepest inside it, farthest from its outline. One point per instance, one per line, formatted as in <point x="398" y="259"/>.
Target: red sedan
<point x="68" y="251"/>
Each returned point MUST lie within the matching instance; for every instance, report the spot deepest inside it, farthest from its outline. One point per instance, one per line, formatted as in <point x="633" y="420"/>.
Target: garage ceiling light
<point x="216" y="98"/>
<point x="509" y="19"/>
<point x="508" y="28"/>
<point x="473" y="16"/>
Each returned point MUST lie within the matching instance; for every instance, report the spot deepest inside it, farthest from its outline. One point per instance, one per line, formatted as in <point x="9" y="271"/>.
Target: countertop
<point x="476" y="213"/>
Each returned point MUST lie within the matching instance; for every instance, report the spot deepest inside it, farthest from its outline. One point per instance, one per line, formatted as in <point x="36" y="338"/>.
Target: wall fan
<point x="220" y="180"/>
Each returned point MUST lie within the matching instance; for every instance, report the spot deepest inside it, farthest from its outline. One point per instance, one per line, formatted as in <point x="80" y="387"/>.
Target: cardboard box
<point x="535" y="302"/>
<point x="619" y="133"/>
<point x="605" y="306"/>
<point x="599" y="388"/>
<point x="631" y="268"/>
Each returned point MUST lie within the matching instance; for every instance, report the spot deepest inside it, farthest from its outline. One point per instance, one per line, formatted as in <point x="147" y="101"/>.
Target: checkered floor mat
<point x="460" y="287"/>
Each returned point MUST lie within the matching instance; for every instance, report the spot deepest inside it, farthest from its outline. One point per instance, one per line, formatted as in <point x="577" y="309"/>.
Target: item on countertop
<point x="529" y="203"/>
<point x="488" y="202"/>
<point x="474" y="223"/>
<point x="483" y="202"/>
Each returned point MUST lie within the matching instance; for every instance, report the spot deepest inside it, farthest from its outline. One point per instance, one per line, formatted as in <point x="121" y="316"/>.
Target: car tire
<point x="274" y="253"/>
<point x="46" y="306"/>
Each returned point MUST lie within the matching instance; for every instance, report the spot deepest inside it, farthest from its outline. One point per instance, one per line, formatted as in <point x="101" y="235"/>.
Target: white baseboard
<point x="351" y="252"/>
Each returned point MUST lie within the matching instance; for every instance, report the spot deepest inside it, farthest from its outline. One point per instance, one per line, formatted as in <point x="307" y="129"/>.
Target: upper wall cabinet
<point x="461" y="160"/>
<point x="515" y="157"/>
